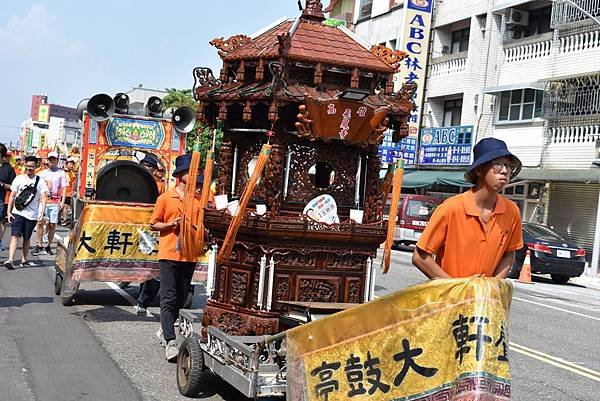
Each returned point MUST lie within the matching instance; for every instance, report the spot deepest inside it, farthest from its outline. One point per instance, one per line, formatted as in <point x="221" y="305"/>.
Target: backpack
<point x="26" y="195"/>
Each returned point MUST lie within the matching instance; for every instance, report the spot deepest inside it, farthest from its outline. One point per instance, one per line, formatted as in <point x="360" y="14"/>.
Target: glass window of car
<point x="541" y="232"/>
<point x="420" y="209"/>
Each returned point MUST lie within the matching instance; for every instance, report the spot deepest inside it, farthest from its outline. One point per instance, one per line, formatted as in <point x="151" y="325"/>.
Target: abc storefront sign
<point x="446" y="146"/>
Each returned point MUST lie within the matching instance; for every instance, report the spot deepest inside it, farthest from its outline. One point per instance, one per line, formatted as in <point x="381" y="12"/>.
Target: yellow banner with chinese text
<point x="115" y="243"/>
<point x="442" y="340"/>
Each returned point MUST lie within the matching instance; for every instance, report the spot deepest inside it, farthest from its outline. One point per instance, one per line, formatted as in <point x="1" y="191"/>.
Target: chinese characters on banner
<point x="445" y="339"/>
<point x="446" y="146"/>
<point x="389" y="152"/>
<point x="415" y="42"/>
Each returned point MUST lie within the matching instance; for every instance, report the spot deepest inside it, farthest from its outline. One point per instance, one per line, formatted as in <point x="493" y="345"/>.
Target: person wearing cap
<point x="476" y="232"/>
<point x="175" y="270"/>
<point x="56" y="180"/>
<point x="150" y="163"/>
<point x="7" y="175"/>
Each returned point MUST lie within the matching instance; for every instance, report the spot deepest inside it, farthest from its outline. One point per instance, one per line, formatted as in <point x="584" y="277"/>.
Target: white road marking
<point x="555" y="361"/>
<point x="557" y="308"/>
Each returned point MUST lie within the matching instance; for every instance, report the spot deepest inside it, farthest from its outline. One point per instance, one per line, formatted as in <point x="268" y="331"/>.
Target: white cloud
<point x="37" y="36"/>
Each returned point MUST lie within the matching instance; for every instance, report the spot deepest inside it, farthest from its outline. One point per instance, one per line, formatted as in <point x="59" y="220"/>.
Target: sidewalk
<point x="586" y="281"/>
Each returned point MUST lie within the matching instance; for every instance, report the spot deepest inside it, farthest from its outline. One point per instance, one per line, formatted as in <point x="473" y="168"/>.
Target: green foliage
<point x="334" y="22"/>
<point x="201" y="134"/>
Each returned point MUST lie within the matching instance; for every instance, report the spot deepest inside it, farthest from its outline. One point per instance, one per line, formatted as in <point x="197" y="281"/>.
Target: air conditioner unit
<point x="517" y="17"/>
<point x="445" y="49"/>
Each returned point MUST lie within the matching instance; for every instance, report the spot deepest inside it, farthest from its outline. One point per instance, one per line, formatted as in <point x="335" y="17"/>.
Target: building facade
<point x="526" y="72"/>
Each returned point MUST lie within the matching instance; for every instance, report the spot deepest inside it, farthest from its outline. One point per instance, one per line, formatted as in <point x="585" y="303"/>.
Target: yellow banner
<point x="114" y="243"/>
<point x="442" y="340"/>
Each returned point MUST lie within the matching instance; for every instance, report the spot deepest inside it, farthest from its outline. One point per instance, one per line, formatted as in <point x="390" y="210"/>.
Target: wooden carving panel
<point x="353" y="290"/>
<point x="374" y="202"/>
<point x="225" y="163"/>
<point x="221" y="284"/>
<point x="282" y="287"/>
<point x="295" y="259"/>
<point x="238" y="286"/>
<point x="317" y="288"/>
<point x="353" y="261"/>
<point x="343" y="162"/>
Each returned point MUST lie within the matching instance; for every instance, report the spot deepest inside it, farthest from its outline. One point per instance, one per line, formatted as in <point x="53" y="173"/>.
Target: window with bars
<point x="460" y="41"/>
<point x="452" y="112"/>
<point x="520" y="104"/>
<point x="364" y="9"/>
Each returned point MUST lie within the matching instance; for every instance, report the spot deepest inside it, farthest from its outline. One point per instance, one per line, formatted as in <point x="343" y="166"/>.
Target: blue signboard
<point x="421" y="5"/>
<point x="124" y="131"/>
<point x="389" y="152"/>
<point x="450" y="146"/>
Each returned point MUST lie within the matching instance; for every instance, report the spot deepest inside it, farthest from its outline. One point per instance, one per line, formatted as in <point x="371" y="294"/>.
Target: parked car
<point x="414" y="213"/>
<point x="549" y="254"/>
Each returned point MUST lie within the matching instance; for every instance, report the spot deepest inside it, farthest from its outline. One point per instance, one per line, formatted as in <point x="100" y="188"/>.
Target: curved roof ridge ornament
<point x="230" y="44"/>
<point x="393" y="58"/>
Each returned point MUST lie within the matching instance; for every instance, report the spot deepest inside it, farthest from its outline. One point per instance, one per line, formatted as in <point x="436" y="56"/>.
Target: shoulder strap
<point x="37" y="181"/>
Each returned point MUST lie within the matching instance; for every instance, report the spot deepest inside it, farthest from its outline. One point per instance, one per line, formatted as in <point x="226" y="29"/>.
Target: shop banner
<point x="115" y="243"/>
<point x="446" y="146"/>
<point x="442" y="340"/>
<point x="415" y="42"/>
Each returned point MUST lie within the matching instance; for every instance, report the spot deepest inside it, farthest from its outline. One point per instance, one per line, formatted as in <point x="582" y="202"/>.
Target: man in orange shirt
<point x="175" y="270"/>
<point x="478" y="231"/>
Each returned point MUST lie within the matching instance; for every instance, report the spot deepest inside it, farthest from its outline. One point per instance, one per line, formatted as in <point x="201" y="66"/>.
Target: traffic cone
<point x="525" y="275"/>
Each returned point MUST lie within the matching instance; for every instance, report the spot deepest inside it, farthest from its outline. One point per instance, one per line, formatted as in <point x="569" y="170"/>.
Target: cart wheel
<point x="57" y="283"/>
<point x="190" y="364"/>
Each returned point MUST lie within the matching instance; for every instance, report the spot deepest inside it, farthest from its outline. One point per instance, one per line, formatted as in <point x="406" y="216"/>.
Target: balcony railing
<point x="449" y="67"/>
<point x="580" y="42"/>
<point x="574" y="134"/>
<point x="565" y="15"/>
<point x="528" y="51"/>
<point x="572" y="97"/>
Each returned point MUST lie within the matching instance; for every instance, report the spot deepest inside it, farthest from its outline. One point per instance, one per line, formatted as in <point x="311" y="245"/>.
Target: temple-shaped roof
<point x="308" y="39"/>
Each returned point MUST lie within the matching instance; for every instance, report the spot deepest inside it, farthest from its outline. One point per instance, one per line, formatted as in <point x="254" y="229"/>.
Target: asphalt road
<point x="100" y="350"/>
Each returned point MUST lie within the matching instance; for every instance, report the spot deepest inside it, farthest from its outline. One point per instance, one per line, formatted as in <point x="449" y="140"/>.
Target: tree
<point x="201" y="134"/>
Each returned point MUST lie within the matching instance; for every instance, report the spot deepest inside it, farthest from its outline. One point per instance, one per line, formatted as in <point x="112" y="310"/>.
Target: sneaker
<point x="8" y="264"/>
<point x="27" y="263"/>
<point x="159" y="334"/>
<point x="171" y="351"/>
<point x="140" y="311"/>
<point x="36" y="250"/>
<point x="48" y="250"/>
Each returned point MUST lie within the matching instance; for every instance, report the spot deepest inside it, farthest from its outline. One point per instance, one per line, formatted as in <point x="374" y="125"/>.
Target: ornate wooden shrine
<point x="323" y="100"/>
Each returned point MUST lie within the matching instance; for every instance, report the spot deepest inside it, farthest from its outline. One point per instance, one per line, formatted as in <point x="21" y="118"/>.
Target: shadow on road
<point x="212" y="385"/>
<point x="7" y="302"/>
<point x="109" y="314"/>
<point x="541" y="279"/>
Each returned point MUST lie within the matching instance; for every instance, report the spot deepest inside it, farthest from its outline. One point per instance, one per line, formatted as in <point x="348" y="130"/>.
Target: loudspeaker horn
<point x="101" y="107"/>
<point x="154" y="106"/>
<point x="81" y="107"/>
<point x="184" y="119"/>
<point x="121" y="103"/>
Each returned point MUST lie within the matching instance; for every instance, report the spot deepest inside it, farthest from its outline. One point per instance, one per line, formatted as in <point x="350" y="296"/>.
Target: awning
<point x="590" y="175"/>
<point x="427" y="178"/>
<point x="510" y="87"/>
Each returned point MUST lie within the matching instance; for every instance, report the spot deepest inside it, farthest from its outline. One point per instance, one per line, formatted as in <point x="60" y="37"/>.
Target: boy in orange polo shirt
<point x="175" y="271"/>
<point x="478" y="231"/>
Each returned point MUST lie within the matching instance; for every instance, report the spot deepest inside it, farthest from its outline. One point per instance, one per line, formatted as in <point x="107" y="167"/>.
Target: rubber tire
<point x="57" y="283"/>
<point x="559" y="278"/>
<point x="189" y="380"/>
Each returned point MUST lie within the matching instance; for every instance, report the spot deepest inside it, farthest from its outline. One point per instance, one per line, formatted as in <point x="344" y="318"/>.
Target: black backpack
<point x="26" y="195"/>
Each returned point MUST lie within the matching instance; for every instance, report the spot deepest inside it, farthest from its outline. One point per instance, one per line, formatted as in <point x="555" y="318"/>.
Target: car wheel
<point x="190" y="364"/>
<point x="559" y="278"/>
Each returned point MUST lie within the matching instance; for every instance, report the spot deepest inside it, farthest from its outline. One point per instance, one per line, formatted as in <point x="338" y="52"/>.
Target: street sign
<point x="389" y="152"/>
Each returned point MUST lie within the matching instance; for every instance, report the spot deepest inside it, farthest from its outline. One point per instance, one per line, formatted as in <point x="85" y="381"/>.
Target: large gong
<point x="125" y="181"/>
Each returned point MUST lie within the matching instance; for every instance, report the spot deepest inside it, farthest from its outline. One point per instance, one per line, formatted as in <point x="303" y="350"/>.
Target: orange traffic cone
<point x="525" y="275"/>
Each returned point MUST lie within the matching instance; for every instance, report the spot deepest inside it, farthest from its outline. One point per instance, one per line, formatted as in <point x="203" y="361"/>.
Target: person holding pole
<point x="476" y="232"/>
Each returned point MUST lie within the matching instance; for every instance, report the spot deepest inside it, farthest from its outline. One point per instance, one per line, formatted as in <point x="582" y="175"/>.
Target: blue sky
<point x="71" y="50"/>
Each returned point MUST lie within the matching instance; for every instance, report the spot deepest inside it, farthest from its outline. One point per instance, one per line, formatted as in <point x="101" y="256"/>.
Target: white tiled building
<point x="526" y="72"/>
